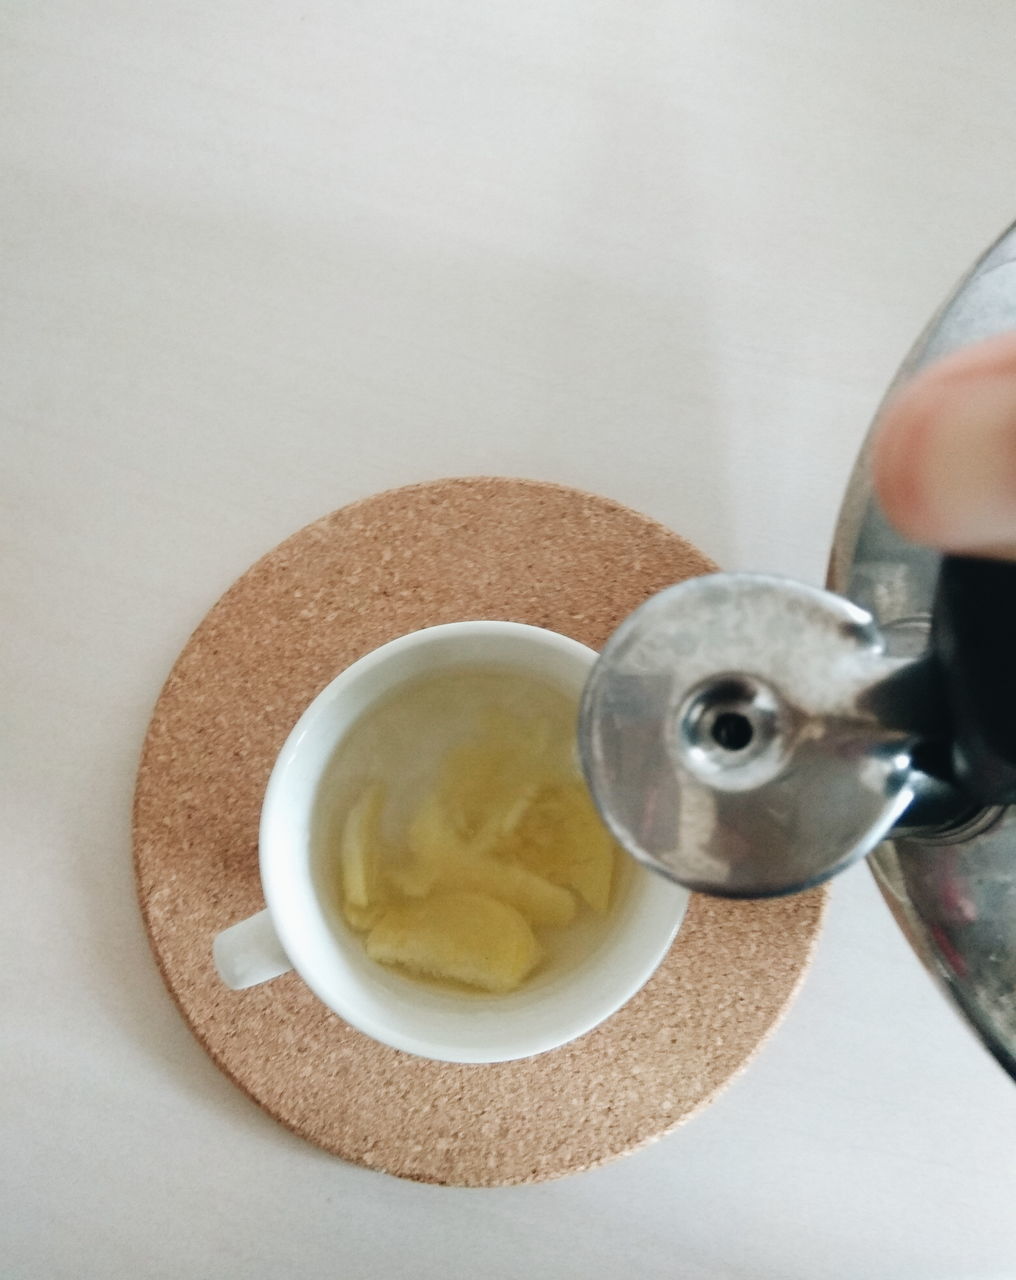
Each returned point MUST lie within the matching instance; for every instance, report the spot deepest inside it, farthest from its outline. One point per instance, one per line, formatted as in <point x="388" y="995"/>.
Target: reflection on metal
<point x="729" y="735"/>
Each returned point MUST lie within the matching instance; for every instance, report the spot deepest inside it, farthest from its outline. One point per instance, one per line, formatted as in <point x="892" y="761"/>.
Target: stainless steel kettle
<point x="748" y="735"/>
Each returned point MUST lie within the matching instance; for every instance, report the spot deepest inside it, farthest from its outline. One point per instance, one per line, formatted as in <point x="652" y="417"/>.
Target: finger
<point x="944" y="460"/>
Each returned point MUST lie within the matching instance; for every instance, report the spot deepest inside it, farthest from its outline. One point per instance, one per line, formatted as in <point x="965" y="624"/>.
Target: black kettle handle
<point x="973" y="645"/>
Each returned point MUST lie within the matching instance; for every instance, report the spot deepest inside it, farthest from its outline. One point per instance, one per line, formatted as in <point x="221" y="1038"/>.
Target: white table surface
<point x="259" y="259"/>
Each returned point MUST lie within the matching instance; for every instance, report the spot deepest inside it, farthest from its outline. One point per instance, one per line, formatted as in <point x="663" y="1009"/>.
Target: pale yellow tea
<point x="458" y="835"/>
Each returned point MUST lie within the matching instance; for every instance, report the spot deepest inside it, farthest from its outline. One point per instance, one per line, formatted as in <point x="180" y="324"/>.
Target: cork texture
<point x="414" y="557"/>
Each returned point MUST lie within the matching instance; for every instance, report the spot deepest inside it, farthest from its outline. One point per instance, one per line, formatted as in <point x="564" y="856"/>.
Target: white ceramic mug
<point x="300" y="931"/>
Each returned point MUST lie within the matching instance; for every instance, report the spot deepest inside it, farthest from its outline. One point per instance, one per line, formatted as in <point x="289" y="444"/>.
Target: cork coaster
<point x="414" y="557"/>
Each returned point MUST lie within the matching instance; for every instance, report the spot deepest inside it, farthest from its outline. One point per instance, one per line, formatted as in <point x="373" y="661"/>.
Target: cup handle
<point x="249" y="952"/>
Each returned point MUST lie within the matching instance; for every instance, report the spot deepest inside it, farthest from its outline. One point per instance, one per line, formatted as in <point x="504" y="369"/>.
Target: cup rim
<point x="287" y="886"/>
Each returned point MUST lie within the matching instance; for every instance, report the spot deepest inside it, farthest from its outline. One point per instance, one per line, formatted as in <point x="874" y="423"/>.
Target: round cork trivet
<point x="414" y="557"/>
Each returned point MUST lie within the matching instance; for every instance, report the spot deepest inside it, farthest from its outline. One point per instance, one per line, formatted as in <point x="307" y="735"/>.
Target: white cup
<point x="300" y="930"/>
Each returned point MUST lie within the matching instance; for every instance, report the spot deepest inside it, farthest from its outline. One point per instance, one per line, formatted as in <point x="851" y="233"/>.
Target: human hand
<point x="944" y="460"/>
